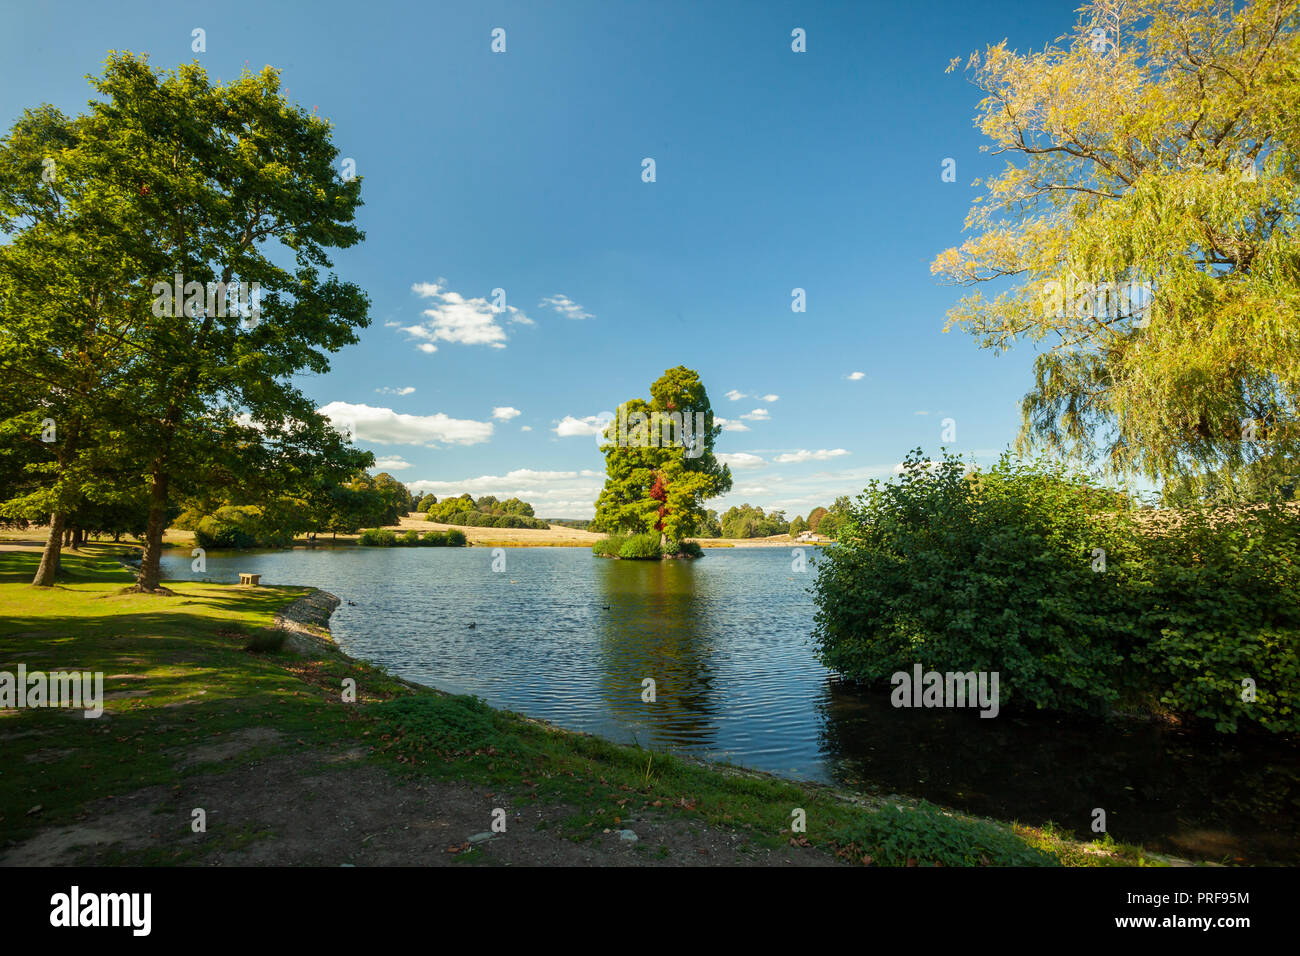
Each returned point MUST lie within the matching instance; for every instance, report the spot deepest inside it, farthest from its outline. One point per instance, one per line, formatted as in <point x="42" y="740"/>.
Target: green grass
<point x="188" y="652"/>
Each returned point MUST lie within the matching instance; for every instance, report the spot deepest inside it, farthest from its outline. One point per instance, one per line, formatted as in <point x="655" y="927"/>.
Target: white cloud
<point x="804" y="455"/>
<point x="771" y="398"/>
<point x="741" y="460"/>
<point x="525" y="428"/>
<point x="383" y="426"/>
<point x="570" y="427"/>
<point x="395" y="463"/>
<point x="566" y="307"/>
<point x="736" y="396"/>
<point x="553" y="494"/>
<point x="405" y="390"/>
<point x="757" y="415"/>
<point x="454" y="318"/>
<point x="730" y="425"/>
<point x="855" y="376"/>
<point x="505" y="413"/>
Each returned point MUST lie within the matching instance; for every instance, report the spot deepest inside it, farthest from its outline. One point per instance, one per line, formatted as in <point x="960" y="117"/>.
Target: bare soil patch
<point x="323" y="808"/>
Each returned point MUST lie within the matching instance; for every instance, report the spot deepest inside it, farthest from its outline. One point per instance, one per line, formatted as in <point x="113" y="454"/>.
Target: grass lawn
<point x="178" y="676"/>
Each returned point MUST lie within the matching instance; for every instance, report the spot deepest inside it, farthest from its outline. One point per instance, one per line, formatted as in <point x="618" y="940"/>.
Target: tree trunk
<point x="78" y="538"/>
<point x="150" y="570"/>
<point x="50" y="556"/>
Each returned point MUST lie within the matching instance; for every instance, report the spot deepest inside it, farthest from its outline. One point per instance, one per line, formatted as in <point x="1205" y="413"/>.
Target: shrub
<point x="1000" y="572"/>
<point x="378" y="538"/>
<point x="1216" y="603"/>
<point x="608" y="547"/>
<point x="990" y="573"/>
<point x="455" y="538"/>
<point x="409" y="539"/>
<point x="641" y="547"/>
<point x="433" y="539"/>
<point x="238" y="526"/>
<point x="690" y="549"/>
<point x="187" y="520"/>
<point x="928" y="837"/>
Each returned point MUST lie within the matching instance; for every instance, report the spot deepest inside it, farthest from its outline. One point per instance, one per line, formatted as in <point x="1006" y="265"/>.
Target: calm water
<point x="567" y="637"/>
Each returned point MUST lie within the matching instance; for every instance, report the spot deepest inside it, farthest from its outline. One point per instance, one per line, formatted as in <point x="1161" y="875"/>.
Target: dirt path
<point x="322" y="808"/>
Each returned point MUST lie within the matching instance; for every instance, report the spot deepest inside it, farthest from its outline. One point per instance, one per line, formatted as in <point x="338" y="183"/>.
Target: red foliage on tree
<point x="659" y="494"/>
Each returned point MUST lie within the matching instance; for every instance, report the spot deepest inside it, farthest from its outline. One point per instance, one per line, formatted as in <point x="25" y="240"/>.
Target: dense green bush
<point x="641" y="547"/>
<point x="455" y="538"/>
<point x="995" y="572"/>
<point x="187" y="520"/>
<point x="608" y="547"/>
<point x="926" y="836"/>
<point x="1219" y="601"/>
<point x="644" y="547"/>
<point x="409" y="539"/>
<point x="378" y="538"/>
<point x="433" y="539"/>
<point x="988" y="573"/>
<point x="238" y="526"/>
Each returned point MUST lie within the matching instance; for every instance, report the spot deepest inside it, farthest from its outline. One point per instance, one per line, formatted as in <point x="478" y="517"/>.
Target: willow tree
<point x="1143" y="233"/>
<point x="659" y="461"/>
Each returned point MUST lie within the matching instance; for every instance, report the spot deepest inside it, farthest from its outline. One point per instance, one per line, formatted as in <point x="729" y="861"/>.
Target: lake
<point x="567" y="637"/>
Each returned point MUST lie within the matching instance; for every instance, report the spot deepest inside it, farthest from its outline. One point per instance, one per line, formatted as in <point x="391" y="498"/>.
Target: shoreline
<point x="405" y="734"/>
<point x="830" y="791"/>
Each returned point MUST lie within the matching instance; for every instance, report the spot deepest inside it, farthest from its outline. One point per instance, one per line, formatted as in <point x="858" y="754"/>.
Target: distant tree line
<point x="748" y="521"/>
<point x="484" y="512"/>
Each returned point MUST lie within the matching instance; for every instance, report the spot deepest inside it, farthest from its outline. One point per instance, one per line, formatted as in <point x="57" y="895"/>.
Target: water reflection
<point x="651" y="626"/>
<point x="1181" y="791"/>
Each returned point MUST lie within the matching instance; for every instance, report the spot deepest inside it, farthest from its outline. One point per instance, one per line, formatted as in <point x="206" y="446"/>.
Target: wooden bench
<point x="253" y="579"/>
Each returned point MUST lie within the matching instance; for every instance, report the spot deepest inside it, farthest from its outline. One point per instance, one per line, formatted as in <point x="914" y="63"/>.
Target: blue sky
<point x="522" y="171"/>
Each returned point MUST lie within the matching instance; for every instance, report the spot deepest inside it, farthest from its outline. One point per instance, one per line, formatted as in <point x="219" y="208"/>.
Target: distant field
<point x="557" y="536"/>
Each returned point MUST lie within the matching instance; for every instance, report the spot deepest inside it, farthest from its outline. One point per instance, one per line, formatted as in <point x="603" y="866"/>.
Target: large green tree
<point x="224" y="186"/>
<point x="1143" y="233"/>
<point x="67" y="292"/>
<point x="661" y="486"/>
